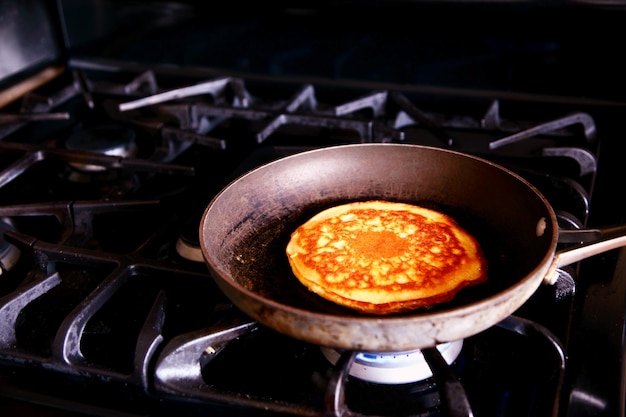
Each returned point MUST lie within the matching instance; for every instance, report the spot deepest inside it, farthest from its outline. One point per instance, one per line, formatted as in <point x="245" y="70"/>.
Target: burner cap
<point x="395" y="367"/>
<point x="9" y="254"/>
<point x="106" y="140"/>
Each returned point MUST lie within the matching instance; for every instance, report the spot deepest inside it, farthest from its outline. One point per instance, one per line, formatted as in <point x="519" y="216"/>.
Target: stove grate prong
<point x="577" y="118"/>
<point x="453" y="397"/>
<point x="147" y="79"/>
<point x="213" y="87"/>
<point x="178" y="368"/>
<point x="417" y="115"/>
<point x="375" y="101"/>
<point x="150" y="338"/>
<point x="32" y="117"/>
<point x="303" y="99"/>
<point x="335" y="399"/>
<point x="12" y="305"/>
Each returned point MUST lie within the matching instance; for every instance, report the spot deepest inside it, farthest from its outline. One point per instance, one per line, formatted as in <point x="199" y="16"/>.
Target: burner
<point x="395" y="367"/>
<point x="188" y="250"/>
<point x="9" y="254"/>
<point x="109" y="140"/>
<point x="188" y="243"/>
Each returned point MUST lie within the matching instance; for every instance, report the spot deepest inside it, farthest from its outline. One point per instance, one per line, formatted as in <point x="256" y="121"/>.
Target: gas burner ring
<point x="111" y="140"/>
<point x="395" y="367"/>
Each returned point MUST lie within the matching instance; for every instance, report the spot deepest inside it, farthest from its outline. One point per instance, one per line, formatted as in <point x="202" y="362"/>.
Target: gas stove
<point x="108" y="165"/>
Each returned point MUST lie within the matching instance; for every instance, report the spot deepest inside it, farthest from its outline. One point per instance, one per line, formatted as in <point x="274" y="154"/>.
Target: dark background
<point x="562" y="48"/>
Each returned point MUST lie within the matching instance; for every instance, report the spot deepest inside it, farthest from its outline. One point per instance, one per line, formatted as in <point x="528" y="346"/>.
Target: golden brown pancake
<point x="382" y="257"/>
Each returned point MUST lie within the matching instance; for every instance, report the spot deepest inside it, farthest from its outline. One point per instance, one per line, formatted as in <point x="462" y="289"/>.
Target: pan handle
<point x="590" y="242"/>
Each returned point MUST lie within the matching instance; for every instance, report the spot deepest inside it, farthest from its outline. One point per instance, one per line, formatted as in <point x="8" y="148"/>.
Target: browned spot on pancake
<point x="377" y="244"/>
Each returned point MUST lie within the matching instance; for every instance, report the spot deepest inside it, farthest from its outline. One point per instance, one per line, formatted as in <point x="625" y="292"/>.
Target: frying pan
<point x="246" y="227"/>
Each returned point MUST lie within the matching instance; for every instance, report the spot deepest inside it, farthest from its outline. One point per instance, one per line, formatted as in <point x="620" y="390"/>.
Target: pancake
<point x="382" y="257"/>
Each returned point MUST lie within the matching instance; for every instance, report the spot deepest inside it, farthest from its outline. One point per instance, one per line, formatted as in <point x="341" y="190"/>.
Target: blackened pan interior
<point x="246" y="228"/>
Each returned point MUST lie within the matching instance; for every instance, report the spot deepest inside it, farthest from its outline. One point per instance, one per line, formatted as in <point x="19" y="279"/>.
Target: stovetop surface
<point x="143" y="260"/>
<point x="153" y="199"/>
